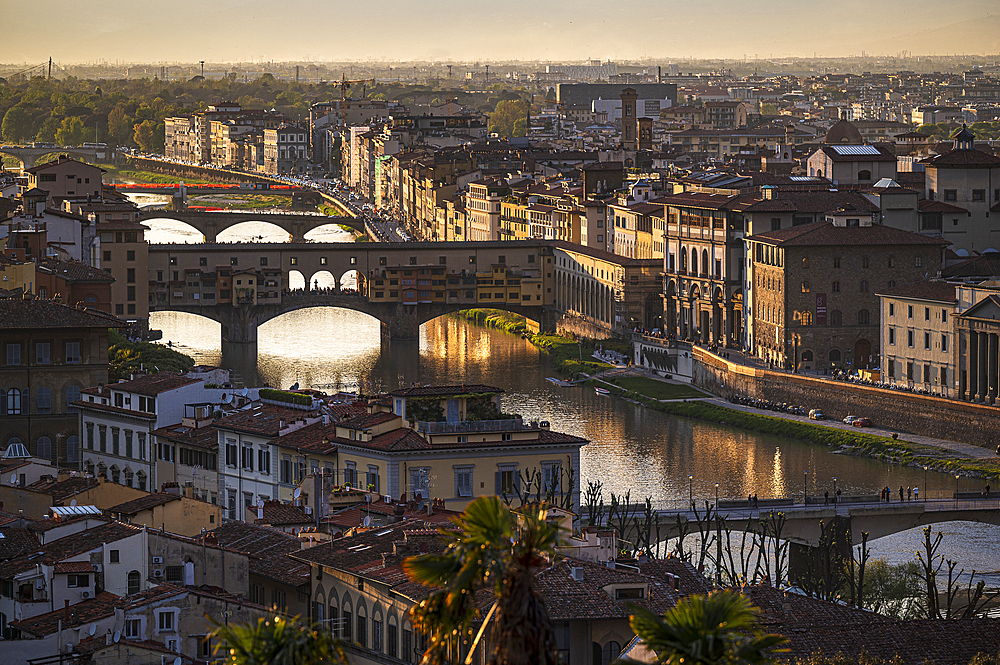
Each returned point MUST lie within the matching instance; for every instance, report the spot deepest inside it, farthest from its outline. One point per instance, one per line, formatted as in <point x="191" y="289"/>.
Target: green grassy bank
<point x="148" y="176"/>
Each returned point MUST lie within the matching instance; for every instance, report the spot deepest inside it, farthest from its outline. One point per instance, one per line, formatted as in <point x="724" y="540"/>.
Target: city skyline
<point x="446" y="30"/>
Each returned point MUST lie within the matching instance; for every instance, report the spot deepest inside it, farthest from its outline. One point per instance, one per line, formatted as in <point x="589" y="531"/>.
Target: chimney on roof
<point x="576" y="573"/>
<point x="66" y="612"/>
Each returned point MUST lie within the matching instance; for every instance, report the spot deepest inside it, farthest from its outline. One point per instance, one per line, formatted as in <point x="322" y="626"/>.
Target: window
<point x="407" y="648"/>
<point x="463" y="481"/>
<point x="943" y="378"/>
<point x="133" y="582"/>
<point x="419" y="478"/>
<point x="73" y="353"/>
<point x="944" y="316"/>
<point x="950" y="195"/>
<point x="377" y="635"/>
<point x="133" y="628"/>
<point x="864" y="174"/>
<point x="346" y="623"/>
<point x="944" y="343"/>
<point x="42" y="353"/>
<point x="892" y="336"/>
<point x="175" y="574"/>
<point x="392" y="640"/>
<point x="927" y="341"/>
<point x="13" y="353"/>
<point x="909" y="338"/>
<point x="372" y="480"/>
<point x="807" y="318"/>
<point x="43" y="401"/>
<point x="835" y="287"/>
<point x="836" y="318"/>
<point x="892" y="309"/>
<point x="805" y="287"/>
<point x="286" y="470"/>
<point x="73" y="449"/>
<point x="114" y="556"/>
<point x="909" y="311"/>
<point x="264" y="461"/>
<point x="362" y="638"/>
<point x="892" y="262"/>
<point x="13" y="402"/>
<point x="909" y="371"/>
<point x="891" y="366"/>
<point x="863" y="286"/>
<point x="863" y="317"/>
<point x="864" y="262"/>
<point x="165" y="622"/>
<point x="836" y="262"/>
<point x="633" y="593"/>
<point x="230" y="452"/>
<point x="979" y="195"/>
<point x="43" y="448"/>
<point x="918" y="262"/>
<point x="77" y="581"/>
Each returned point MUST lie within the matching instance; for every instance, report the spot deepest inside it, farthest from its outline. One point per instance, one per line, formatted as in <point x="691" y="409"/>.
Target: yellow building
<point x="16" y="275"/>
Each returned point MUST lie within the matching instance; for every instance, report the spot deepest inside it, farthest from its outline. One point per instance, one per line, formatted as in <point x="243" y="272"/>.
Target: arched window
<point x="864" y="174"/>
<point x="805" y="287"/>
<point x="116" y="474"/>
<point x="694" y="261"/>
<point x="805" y="261"/>
<point x="807" y="318"/>
<point x="134" y="580"/>
<point x="864" y="286"/>
<point x="611" y="652"/>
<point x="834" y="355"/>
<point x="73" y="448"/>
<point x="72" y="395"/>
<point x="684" y="259"/>
<point x="836" y="318"/>
<point x="807" y="356"/>
<point x="704" y="262"/>
<point x="43" y="448"/>
<point x="102" y="470"/>
<point x="90" y="299"/>
<point x="863" y="317"/>
<point x="13" y="402"/>
<point x="141" y="478"/>
<point x="835" y="287"/>
<point x="43" y="401"/>
<point x="88" y="467"/>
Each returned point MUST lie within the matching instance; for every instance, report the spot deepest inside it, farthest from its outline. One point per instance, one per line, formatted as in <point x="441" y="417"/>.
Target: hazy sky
<point x="321" y="30"/>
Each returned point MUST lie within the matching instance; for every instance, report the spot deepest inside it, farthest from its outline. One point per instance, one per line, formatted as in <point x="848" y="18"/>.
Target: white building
<point x="116" y="422"/>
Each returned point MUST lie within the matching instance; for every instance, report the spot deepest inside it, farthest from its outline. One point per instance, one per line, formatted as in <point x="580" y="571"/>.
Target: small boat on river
<point x="601" y="391"/>
<point x="559" y="382"/>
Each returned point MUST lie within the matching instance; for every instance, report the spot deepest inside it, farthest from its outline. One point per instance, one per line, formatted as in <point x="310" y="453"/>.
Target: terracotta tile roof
<point x="569" y="599"/>
<point x="154" y="384"/>
<point x="121" y="225"/>
<point x="68" y="546"/>
<point x="936" y="291"/>
<point x="74" y="271"/>
<point x="44" y="526"/>
<point x="310" y="439"/>
<point x="60" y="490"/>
<point x="826" y="234"/>
<point x="99" y="607"/>
<point x="21" y="314"/>
<point x="987" y="265"/>
<point x="143" y="415"/>
<point x="205" y="437"/>
<point x="267" y="551"/>
<point x="16" y="541"/>
<point x="62" y="159"/>
<point x="135" y="506"/>
<point x="690" y="580"/>
<point x="601" y="255"/>
<point x="964" y="159"/>
<point x="698" y="200"/>
<point x="406" y="439"/>
<point x="369" y="420"/>
<point x="444" y="391"/>
<point x="65" y="567"/>
<point x="262" y="419"/>
<point x="277" y="513"/>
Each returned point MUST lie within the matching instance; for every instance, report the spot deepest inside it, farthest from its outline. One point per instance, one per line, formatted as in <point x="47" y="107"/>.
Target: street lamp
<point x="691" y="489"/>
<point x="956" y="490"/>
<point x="925" y="483"/>
<point x="716" y="497"/>
<point x="835" y="490"/>
<point x="805" y="487"/>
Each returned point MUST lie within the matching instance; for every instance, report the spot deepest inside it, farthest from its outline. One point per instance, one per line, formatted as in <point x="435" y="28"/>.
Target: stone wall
<point x="977" y="424"/>
<point x="581" y="328"/>
<point x="198" y="172"/>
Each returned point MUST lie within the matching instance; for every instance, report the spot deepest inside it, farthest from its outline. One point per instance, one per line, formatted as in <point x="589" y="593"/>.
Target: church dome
<point x="844" y="132"/>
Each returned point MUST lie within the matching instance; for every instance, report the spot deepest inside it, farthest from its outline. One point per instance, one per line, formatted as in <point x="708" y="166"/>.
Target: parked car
<point x="816" y="414"/>
<point x="849" y="420"/>
<point x="861" y="422"/>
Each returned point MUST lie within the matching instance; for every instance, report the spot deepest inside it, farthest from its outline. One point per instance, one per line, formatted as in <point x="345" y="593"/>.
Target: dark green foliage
<point x="125" y="357"/>
<point x="285" y="396"/>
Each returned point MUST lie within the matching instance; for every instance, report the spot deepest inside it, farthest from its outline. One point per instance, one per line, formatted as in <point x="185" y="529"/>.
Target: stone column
<point x="972" y="362"/>
<point x="992" y="364"/>
<point x="983" y="369"/>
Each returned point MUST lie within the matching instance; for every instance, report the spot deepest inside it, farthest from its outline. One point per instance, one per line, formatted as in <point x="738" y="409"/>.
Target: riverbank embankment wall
<point x="978" y="424"/>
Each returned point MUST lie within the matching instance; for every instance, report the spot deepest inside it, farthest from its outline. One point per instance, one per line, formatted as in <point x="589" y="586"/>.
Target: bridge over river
<point x="211" y="224"/>
<point x="803" y="523"/>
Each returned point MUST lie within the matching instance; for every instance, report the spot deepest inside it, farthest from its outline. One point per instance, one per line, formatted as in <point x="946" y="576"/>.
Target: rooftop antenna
<point x="50" y="67"/>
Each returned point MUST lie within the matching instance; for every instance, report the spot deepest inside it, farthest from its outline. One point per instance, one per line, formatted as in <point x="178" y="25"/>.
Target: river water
<point x="631" y="448"/>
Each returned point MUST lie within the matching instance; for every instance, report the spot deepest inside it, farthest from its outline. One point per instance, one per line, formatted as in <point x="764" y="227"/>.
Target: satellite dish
<point x="92" y="629"/>
<point x="72" y="504"/>
<point x="177" y="660"/>
<point x="118" y="636"/>
<point x="367" y="521"/>
<point x="13" y="479"/>
<point x="297" y="493"/>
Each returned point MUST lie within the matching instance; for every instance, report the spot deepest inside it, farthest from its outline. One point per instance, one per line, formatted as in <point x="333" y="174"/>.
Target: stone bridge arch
<point x="211" y="224"/>
<point x="31" y="156"/>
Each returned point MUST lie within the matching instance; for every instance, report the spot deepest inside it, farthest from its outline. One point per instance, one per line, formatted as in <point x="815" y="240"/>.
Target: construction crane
<point x="344" y="84"/>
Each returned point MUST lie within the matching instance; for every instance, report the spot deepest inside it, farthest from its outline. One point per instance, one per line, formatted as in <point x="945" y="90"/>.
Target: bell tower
<point x="629" y="127"/>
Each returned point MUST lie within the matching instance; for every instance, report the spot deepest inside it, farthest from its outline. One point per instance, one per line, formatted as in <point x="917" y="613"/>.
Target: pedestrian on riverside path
<point x="837" y="500"/>
<point x="901" y="493"/>
<point x="916" y="493"/>
<point x="826" y="497"/>
<point x="909" y="494"/>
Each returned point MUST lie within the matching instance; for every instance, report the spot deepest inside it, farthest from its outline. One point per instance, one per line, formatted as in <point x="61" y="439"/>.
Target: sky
<point x="138" y="31"/>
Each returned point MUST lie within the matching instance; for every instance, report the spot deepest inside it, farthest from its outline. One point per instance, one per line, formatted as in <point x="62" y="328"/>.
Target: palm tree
<point x="487" y="555"/>
<point x="277" y="641"/>
<point x="715" y="629"/>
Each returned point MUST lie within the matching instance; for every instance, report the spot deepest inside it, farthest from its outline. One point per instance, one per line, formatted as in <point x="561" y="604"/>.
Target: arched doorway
<point x="323" y="280"/>
<point x="863" y="354"/>
<point x="296" y="280"/>
<point x="352" y="280"/>
<point x="653" y="308"/>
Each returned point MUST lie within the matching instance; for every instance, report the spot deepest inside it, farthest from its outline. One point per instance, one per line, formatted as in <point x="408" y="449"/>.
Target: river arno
<point x="632" y="448"/>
